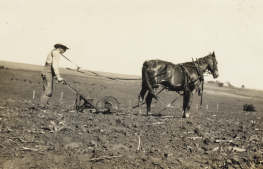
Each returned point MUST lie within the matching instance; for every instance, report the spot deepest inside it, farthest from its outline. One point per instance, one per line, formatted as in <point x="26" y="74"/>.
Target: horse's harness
<point x="189" y="82"/>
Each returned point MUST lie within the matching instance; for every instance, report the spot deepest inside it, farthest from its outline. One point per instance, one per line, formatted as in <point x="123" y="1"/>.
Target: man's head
<point x="62" y="48"/>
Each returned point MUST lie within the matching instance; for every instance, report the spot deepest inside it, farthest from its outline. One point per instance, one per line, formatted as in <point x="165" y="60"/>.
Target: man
<point x="51" y="71"/>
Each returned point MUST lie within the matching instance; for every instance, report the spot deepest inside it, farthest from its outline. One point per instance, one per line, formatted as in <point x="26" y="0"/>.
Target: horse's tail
<point x="146" y="78"/>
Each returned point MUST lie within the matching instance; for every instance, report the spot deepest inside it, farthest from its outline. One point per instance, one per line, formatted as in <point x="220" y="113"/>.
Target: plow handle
<point x="73" y="89"/>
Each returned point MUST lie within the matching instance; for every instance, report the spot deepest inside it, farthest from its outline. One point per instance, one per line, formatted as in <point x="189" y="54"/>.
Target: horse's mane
<point x="201" y="60"/>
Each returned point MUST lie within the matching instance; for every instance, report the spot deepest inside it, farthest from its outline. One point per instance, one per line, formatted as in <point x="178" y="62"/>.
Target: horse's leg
<point x="141" y="98"/>
<point x="149" y="102"/>
<point x="142" y="93"/>
<point x="187" y="103"/>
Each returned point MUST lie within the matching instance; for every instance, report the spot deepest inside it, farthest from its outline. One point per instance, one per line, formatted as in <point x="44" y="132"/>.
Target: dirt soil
<point x="218" y="135"/>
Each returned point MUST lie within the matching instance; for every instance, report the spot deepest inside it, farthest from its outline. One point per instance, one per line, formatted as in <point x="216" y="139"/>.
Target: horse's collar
<point x="200" y="73"/>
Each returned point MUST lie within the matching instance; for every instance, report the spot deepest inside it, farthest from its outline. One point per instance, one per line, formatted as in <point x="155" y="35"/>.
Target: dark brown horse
<point x="185" y="77"/>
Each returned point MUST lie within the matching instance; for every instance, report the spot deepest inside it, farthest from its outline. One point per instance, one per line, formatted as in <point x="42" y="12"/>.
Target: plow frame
<point x="108" y="104"/>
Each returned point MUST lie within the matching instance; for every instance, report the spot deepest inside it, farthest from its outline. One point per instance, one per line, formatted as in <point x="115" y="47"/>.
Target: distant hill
<point x="25" y="66"/>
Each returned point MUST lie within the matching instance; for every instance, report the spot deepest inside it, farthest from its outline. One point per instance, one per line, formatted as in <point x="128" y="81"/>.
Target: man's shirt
<point x="53" y="59"/>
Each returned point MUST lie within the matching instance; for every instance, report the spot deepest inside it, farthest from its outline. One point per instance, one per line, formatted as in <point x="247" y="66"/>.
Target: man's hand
<point x="61" y="80"/>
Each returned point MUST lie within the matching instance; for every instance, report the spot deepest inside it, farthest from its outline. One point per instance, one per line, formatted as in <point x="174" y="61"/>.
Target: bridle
<point x="214" y="66"/>
<point x="209" y="70"/>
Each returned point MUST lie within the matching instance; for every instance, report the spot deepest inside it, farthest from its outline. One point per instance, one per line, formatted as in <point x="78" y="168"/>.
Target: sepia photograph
<point x="131" y="84"/>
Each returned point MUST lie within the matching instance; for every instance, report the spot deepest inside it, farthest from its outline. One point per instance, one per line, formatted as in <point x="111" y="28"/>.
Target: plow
<point x="107" y="104"/>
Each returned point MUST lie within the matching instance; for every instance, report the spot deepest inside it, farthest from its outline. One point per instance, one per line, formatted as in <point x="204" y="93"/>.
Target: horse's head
<point x="212" y="64"/>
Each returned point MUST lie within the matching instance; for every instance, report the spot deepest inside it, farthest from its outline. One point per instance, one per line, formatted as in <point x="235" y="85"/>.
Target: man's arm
<point x="55" y="64"/>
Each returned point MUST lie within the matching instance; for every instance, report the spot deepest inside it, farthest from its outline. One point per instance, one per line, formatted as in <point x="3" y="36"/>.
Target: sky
<point x="119" y="35"/>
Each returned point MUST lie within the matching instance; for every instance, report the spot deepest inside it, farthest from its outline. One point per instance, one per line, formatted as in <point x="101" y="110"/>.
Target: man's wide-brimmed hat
<point x="59" y="45"/>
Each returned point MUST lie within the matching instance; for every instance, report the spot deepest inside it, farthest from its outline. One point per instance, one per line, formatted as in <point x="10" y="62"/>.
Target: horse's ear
<point x="213" y="53"/>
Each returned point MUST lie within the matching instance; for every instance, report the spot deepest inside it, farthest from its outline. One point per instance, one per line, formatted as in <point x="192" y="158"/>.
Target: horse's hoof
<point x="149" y="114"/>
<point x="186" y="115"/>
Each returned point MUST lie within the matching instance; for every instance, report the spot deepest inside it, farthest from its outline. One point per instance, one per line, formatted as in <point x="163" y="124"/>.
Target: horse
<point x="182" y="78"/>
